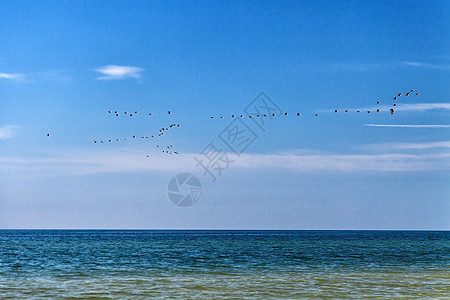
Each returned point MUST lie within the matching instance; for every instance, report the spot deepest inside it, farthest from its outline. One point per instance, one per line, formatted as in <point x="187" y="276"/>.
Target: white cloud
<point x="98" y="161"/>
<point x="408" y="126"/>
<point x="407" y="146"/>
<point x="7" y="131"/>
<point x="113" y="72"/>
<point x="423" y="106"/>
<point x="11" y="76"/>
<point x="424" y="65"/>
<point x="400" y="107"/>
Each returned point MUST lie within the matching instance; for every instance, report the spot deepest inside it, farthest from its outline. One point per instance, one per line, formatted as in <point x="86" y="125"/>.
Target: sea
<point x="222" y="264"/>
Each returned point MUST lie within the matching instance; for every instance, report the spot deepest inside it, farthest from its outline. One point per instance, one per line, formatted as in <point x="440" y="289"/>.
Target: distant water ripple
<point x="224" y="264"/>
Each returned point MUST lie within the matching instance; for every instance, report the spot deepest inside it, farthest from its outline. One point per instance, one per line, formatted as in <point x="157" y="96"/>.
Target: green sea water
<point x="106" y="264"/>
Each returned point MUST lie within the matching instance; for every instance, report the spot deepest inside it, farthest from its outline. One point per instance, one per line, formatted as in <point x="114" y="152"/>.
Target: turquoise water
<point x="224" y="264"/>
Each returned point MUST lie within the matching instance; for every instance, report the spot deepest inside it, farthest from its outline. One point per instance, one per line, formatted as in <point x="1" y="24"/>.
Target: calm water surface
<point x="224" y="264"/>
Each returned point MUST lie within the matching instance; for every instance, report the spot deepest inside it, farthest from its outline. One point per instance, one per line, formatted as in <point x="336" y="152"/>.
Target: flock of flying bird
<point x="316" y="115"/>
<point x="169" y="149"/>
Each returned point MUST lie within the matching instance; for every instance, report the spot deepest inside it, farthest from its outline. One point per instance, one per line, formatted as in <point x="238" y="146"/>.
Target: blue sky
<point x="65" y="64"/>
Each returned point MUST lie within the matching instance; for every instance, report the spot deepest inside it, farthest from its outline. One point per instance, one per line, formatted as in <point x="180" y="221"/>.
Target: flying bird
<point x="392" y="111"/>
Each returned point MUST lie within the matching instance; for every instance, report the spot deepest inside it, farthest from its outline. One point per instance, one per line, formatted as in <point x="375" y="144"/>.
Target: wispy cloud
<point x="399" y="107"/>
<point x="8" y="131"/>
<point x="425" y="65"/>
<point x="370" y="66"/>
<point x="12" y="76"/>
<point x="113" y="72"/>
<point x="407" y="146"/>
<point x="92" y="162"/>
<point x="423" y="106"/>
<point x="407" y="126"/>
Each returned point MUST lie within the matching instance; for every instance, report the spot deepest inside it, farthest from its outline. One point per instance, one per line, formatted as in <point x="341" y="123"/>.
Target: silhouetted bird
<point x="298" y="114"/>
<point x="417" y="94"/>
<point x="169" y="112"/>
<point x="395" y="98"/>
<point x="399" y="94"/>
<point x="48" y="134"/>
<point x="395" y="104"/>
<point x="335" y="110"/>
<point x="346" y="110"/>
<point x="392" y="111"/>
<point x="317" y="115"/>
